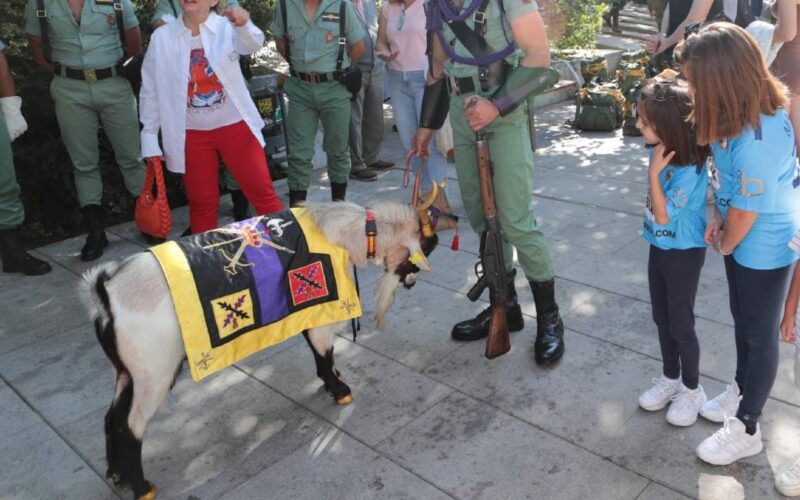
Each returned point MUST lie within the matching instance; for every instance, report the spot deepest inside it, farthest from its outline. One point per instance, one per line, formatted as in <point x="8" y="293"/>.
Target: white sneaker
<point x="730" y="443"/>
<point x="685" y="406"/>
<point x="658" y="396"/>
<point x="723" y="406"/>
<point x="788" y="481"/>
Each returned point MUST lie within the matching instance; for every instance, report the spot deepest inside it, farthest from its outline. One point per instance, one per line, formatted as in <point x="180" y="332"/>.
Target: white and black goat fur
<point x="137" y="327"/>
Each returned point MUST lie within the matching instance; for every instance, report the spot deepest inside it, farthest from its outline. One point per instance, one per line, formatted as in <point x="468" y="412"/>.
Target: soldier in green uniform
<point x="486" y="59"/>
<point x="311" y="45"/>
<point x="12" y="125"/>
<point x="82" y="50"/>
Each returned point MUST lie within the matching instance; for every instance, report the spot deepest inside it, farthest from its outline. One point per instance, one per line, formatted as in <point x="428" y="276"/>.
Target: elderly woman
<point x="740" y="110"/>
<point x="193" y="91"/>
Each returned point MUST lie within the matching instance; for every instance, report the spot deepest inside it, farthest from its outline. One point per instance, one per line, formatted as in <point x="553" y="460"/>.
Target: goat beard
<point x="387" y="285"/>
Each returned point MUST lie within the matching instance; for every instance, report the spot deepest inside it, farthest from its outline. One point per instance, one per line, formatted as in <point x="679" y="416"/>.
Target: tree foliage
<point x="576" y="23"/>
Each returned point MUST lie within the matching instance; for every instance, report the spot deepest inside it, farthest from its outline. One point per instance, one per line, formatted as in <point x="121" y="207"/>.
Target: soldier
<point x="12" y="125"/>
<point x="81" y="46"/>
<point x="366" y="120"/>
<point x="486" y="60"/>
<point x="314" y="46"/>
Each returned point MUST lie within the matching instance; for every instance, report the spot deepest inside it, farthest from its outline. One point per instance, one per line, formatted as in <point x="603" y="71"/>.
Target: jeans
<point x="407" y="88"/>
<point x="756" y="298"/>
<point x="366" y="120"/>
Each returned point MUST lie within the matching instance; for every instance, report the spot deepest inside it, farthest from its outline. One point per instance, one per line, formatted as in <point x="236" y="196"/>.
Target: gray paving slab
<point x="386" y="395"/>
<point x="656" y="491"/>
<point x="615" y="194"/>
<point x="209" y="437"/>
<point x="472" y="450"/>
<point x="64" y="377"/>
<point x="585" y="409"/>
<point x="37" y="464"/>
<point x="38" y="307"/>
<point x="337" y="467"/>
<point x="15" y="414"/>
<point x="67" y="252"/>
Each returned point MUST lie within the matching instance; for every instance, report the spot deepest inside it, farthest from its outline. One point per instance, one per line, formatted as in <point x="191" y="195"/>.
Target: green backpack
<point x="594" y="70"/>
<point x="599" y="108"/>
<point x="631" y="98"/>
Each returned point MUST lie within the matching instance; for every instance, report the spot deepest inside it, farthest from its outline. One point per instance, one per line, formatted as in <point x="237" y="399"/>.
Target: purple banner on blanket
<point x="269" y="280"/>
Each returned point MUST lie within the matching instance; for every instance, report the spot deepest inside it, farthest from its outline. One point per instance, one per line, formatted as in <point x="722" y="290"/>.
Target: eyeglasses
<point x="691" y="29"/>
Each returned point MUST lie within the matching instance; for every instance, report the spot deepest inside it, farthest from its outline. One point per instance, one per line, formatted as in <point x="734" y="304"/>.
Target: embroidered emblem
<point x="307" y="283"/>
<point x="750" y="187"/>
<point x="204" y="361"/>
<point x="111" y="20"/>
<point x="348" y="305"/>
<point x="679" y="199"/>
<point x="329" y="36"/>
<point x="250" y="236"/>
<point x="233" y="312"/>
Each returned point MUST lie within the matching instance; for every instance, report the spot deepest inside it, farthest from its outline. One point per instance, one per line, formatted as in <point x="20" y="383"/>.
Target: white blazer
<point x="165" y="79"/>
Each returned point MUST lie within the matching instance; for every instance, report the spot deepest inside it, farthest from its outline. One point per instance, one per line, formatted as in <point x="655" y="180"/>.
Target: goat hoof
<point x="150" y="495"/>
<point x="345" y="400"/>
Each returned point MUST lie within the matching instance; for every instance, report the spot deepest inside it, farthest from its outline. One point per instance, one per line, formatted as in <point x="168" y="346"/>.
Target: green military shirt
<point x="313" y="44"/>
<point x="498" y="33"/>
<point x="173" y="8"/>
<point x="92" y="44"/>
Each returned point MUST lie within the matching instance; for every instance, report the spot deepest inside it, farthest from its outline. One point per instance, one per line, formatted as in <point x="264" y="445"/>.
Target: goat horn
<point x="422" y="210"/>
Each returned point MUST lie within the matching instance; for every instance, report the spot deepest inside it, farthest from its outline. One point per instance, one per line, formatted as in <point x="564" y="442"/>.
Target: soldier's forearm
<point x="37" y="53"/>
<point x="6" y="80"/>
<point x="133" y="41"/>
<point x="357" y="51"/>
<point x="280" y="46"/>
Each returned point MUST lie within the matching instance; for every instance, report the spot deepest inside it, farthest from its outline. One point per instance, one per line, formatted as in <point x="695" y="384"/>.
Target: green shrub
<point x="582" y="21"/>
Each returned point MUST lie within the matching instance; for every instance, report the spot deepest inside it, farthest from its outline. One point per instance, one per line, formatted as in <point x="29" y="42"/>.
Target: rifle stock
<point x="494" y="272"/>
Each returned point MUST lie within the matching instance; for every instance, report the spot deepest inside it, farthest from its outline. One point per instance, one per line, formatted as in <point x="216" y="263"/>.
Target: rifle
<point x="493" y="271"/>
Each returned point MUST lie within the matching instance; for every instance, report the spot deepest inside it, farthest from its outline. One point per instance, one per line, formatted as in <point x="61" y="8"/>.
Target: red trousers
<point x="242" y="155"/>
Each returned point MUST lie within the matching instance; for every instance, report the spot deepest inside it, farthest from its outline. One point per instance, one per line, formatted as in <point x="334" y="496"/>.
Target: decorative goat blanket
<point x="253" y="284"/>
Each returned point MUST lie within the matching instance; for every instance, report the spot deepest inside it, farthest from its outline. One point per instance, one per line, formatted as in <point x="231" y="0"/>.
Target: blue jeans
<point x="407" y="88"/>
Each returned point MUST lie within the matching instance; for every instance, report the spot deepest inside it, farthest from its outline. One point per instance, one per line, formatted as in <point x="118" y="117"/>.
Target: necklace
<point x="402" y="19"/>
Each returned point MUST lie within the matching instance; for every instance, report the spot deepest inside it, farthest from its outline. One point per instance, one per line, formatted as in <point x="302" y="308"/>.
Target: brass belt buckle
<point x="314" y="77"/>
<point x="89" y="75"/>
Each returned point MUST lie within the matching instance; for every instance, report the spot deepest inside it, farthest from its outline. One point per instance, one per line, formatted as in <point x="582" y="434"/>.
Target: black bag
<point x="351" y="79"/>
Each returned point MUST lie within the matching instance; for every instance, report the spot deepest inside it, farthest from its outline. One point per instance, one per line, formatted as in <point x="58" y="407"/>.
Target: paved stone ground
<point x="432" y="418"/>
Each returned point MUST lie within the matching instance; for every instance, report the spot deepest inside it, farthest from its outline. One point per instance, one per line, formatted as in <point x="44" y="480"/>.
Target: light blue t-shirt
<point x="685" y="190"/>
<point x="758" y="171"/>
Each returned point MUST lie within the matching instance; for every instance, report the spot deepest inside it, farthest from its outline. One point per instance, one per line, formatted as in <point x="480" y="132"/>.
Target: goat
<point x="137" y="327"/>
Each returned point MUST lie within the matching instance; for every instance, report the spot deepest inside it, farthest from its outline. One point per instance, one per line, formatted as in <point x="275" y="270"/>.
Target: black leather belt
<point x="460" y="86"/>
<point x="89" y="75"/>
<point x="315" y="77"/>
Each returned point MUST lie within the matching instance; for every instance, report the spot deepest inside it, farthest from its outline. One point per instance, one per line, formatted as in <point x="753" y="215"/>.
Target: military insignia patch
<point x="104" y="2"/>
<point x="330" y="17"/>
<point x="111" y="20"/>
<point x="233" y="312"/>
<point x="329" y="36"/>
<point x="307" y="283"/>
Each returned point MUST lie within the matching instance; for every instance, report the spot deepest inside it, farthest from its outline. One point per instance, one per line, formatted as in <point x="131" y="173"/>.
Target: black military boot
<point x="549" y="346"/>
<point x="478" y="327"/>
<point x="295" y="197"/>
<point x="96" y="240"/>
<point x="241" y="207"/>
<point x="17" y="260"/>
<point x="338" y="190"/>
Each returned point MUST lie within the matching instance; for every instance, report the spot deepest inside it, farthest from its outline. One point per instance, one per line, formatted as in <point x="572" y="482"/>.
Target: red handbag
<point x="152" y="213"/>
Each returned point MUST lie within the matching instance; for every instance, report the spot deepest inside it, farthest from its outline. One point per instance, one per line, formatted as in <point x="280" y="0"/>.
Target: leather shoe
<point x="381" y="165"/>
<point x="478" y="327"/>
<point x="549" y="345"/>
<point x="363" y="174"/>
<point x="96" y="241"/>
<point x="16" y="259"/>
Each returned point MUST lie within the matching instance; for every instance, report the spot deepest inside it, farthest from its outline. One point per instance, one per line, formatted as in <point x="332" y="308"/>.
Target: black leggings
<point x="756" y="298"/>
<point x="673" y="276"/>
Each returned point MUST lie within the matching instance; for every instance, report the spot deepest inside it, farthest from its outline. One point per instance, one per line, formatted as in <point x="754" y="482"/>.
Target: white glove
<point x="12" y="111"/>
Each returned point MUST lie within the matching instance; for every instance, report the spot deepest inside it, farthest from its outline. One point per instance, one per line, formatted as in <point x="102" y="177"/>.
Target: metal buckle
<point x="342" y="40"/>
<point x="479" y="17"/>
<point x="452" y="85"/>
<point x="312" y="77"/>
<point x="41" y="13"/>
<point x="89" y="75"/>
<point x="118" y="6"/>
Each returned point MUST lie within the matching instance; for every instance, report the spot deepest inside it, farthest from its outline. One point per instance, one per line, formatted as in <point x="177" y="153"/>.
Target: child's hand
<point x="712" y="232"/>
<point x="237" y="15"/>
<point x="660" y="159"/>
<point x="787" y="328"/>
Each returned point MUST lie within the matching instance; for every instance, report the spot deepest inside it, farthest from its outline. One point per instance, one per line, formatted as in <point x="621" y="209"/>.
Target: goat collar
<point x="371" y="229"/>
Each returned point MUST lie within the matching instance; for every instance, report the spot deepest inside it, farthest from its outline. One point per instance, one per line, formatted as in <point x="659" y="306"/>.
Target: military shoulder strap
<point x="41" y="14"/>
<point x="174" y="10"/>
<point x="282" y="5"/>
<point x="121" y="28"/>
<point x="473" y="39"/>
<point x="342" y="34"/>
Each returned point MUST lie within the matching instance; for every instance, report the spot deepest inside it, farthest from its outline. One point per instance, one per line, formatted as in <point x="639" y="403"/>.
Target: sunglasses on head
<point x="691" y="29"/>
